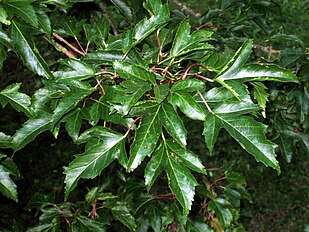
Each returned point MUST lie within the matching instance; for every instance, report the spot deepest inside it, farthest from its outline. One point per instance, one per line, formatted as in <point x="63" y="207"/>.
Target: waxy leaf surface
<point x="7" y="186"/>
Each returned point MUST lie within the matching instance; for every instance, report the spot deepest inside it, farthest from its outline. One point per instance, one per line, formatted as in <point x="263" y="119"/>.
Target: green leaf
<point x="196" y="226"/>
<point x="260" y="72"/>
<point x="161" y="92"/>
<point x="134" y="72"/>
<point x="173" y="124"/>
<point x="250" y="135"/>
<point x="188" y="85"/>
<point x="97" y="157"/>
<point x="4" y="39"/>
<point x="11" y="167"/>
<point x="190" y="159"/>
<point x="187" y="105"/>
<point x="31" y="57"/>
<point x="146" y="137"/>
<point x="260" y="95"/>
<point x="181" y="182"/>
<point x="185" y="43"/>
<point x="122" y="214"/>
<point x="30" y="129"/>
<point x="97" y="32"/>
<point x="80" y="71"/>
<point x="24" y="10"/>
<point x="220" y="207"/>
<point x="73" y="123"/>
<point x="20" y="101"/>
<point x="154" y="166"/>
<point x="4" y="16"/>
<point x="236" y="108"/>
<point x="7" y="186"/>
<point x="85" y="224"/>
<point x="239" y="59"/>
<point x="123" y="7"/>
<point x="211" y="129"/>
<point x="104" y="57"/>
<point x="5" y="140"/>
<point x="69" y="101"/>
<point x="44" y="22"/>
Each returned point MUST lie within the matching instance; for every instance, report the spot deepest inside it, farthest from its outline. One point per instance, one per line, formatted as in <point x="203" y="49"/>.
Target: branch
<point x="186" y="9"/>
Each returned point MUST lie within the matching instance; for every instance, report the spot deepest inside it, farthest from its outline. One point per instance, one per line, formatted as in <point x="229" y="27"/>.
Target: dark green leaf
<point x="23" y="9"/>
<point x="188" y="85"/>
<point x="7" y="186"/>
<point x="196" y="226"/>
<point x="11" y="167"/>
<point x="4" y="39"/>
<point x="161" y="92"/>
<point x="146" y="137"/>
<point x="5" y="140"/>
<point x="73" y="123"/>
<point x="104" y="57"/>
<point x="20" y="101"/>
<point x="31" y="57"/>
<point x="85" y="224"/>
<point x="260" y="95"/>
<point x="44" y="22"/>
<point x="211" y="129"/>
<point x="173" y="124"/>
<point x="236" y="108"/>
<point x="122" y="214"/>
<point x="31" y="128"/>
<point x="97" y="157"/>
<point x="187" y="105"/>
<point x="123" y="7"/>
<point x="190" y="159"/>
<point x="4" y="16"/>
<point x="220" y="207"/>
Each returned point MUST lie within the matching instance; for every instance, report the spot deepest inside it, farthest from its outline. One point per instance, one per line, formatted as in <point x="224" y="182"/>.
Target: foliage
<point x="128" y="93"/>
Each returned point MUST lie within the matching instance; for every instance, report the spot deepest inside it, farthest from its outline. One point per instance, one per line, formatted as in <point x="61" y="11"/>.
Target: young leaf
<point x="97" y="157"/>
<point x="185" y="43"/>
<point x="190" y="159"/>
<point x="24" y="10"/>
<point x="146" y="137"/>
<point x="20" y="101"/>
<point x="7" y="186"/>
<point x="173" y="124"/>
<point x="250" y="135"/>
<point x="31" y="57"/>
<point x="187" y="105"/>
<point x="30" y="129"/>
<point x="134" y="72"/>
<point x="212" y="127"/>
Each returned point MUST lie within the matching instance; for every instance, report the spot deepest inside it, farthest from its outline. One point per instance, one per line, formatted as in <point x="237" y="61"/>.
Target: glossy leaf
<point x="83" y="224"/>
<point x="212" y="127"/>
<point x="161" y="92"/>
<point x="146" y="137"/>
<point x="185" y="43"/>
<point x="97" y="157"/>
<point x="187" y="105"/>
<point x="31" y="128"/>
<point x="236" y="108"/>
<point x="73" y="123"/>
<point x="44" y="22"/>
<point x="5" y="140"/>
<point x="134" y="72"/>
<point x="123" y="7"/>
<point x="173" y="124"/>
<point x="20" y="101"/>
<point x="23" y="9"/>
<point x="5" y="39"/>
<point x="260" y="95"/>
<point x="104" y="57"/>
<point x="7" y="186"/>
<point x="219" y="206"/>
<point x="250" y="135"/>
<point x="68" y="102"/>
<point x="31" y="57"/>
<point x="190" y="159"/>
<point x="122" y="214"/>
<point x="4" y="16"/>
<point x="188" y="85"/>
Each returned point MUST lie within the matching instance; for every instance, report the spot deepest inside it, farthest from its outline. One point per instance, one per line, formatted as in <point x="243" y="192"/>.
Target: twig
<point x="106" y="15"/>
<point x="67" y="43"/>
<point x="61" y="48"/>
<point x="132" y="124"/>
<point x="186" y="9"/>
<point x="203" y="99"/>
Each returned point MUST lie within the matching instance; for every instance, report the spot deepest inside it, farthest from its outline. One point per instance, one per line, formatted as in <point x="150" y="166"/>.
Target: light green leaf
<point x="7" y="186"/>
<point x="79" y="72"/>
<point x="146" y="137"/>
<point x="30" y="129"/>
<point x="220" y="207"/>
<point x="68" y="102"/>
<point x="190" y="159"/>
<point x="97" y="157"/>
<point x="260" y="95"/>
<point x="24" y="10"/>
<point x="181" y="182"/>
<point x="188" y="85"/>
<point x="250" y="135"/>
<point x="73" y="123"/>
<point x="185" y="43"/>
<point x="134" y="72"/>
<point x="122" y="214"/>
<point x="173" y="124"/>
<point x="5" y="140"/>
<point x="31" y="57"/>
<point x="187" y="105"/>
<point x="212" y="127"/>
<point x="4" y="16"/>
<point x="20" y="101"/>
<point x="239" y="59"/>
<point x="155" y="166"/>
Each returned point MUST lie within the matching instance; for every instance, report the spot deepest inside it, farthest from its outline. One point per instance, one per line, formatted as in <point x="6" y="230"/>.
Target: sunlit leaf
<point x="7" y="186"/>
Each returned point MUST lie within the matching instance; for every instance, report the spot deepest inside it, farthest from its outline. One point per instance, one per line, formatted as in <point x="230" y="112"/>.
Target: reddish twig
<point x="67" y="43"/>
<point x="132" y="124"/>
<point x="203" y="99"/>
